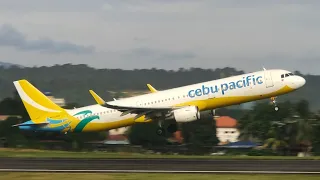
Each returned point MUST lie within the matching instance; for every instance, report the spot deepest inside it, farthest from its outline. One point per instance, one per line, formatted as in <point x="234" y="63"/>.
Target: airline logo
<point x="224" y="87"/>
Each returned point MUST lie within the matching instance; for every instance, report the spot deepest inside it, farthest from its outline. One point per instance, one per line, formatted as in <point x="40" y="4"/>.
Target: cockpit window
<point x="286" y="75"/>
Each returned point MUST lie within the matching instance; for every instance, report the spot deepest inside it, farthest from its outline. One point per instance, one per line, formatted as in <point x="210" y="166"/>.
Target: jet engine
<point x="187" y="114"/>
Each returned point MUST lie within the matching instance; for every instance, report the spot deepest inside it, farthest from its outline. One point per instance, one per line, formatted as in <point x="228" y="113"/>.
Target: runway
<point x="160" y="165"/>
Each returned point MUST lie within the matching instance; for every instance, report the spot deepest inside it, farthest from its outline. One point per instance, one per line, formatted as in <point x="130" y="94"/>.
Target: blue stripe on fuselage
<point x="33" y="127"/>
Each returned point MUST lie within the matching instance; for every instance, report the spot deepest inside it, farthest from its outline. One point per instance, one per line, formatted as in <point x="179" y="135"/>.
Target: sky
<point x="164" y="34"/>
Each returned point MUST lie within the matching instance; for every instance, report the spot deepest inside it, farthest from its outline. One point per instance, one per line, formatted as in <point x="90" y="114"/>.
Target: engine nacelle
<point x="207" y="114"/>
<point x="186" y="114"/>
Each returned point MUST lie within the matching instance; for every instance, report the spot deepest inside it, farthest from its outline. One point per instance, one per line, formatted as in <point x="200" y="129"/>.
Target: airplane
<point x="183" y="104"/>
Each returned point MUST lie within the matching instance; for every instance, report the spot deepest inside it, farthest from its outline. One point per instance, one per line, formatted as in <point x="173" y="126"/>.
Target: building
<point x="117" y="136"/>
<point x="58" y="101"/>
<point x="5" y="117"/>
<point x="227" y="129"/>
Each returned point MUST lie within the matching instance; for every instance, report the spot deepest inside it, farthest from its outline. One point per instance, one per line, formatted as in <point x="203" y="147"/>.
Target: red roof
<point x="118" y="137"/>
<point x="3" y="117"/>
<point x="226" y="122"/>
<point x="178" y="136"/>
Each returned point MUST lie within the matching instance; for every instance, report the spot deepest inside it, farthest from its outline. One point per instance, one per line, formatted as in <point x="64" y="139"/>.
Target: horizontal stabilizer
<point x="30" y="124"/>
<point x="97" y="98"/>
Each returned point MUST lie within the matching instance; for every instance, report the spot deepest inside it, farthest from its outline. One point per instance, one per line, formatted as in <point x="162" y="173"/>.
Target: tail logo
<point x="86" y="120"/>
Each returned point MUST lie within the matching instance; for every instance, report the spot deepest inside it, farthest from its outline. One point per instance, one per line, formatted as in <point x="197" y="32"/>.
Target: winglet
<point x="97" y="98"/>
<point x="152" y="89"/>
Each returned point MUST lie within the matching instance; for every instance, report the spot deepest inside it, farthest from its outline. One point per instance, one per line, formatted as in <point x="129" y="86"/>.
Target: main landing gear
<point x="160" y="131"/>
<point x="170" y="129"/>
<point x="274" y="102"/>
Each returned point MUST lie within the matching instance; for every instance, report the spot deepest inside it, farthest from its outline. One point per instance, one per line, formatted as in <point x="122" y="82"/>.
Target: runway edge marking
<point x="155" y="171"/>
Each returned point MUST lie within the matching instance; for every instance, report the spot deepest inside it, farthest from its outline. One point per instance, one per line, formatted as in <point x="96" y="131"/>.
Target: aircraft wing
<point x="137" y="109"/>
<point x="140" y="111"/>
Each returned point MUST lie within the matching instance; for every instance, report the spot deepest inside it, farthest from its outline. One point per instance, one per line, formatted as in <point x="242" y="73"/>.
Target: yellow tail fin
<point x="38" y="105"/>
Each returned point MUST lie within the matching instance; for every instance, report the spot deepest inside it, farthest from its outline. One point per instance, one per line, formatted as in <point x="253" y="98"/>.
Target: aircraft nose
<point x="299" y="82"/>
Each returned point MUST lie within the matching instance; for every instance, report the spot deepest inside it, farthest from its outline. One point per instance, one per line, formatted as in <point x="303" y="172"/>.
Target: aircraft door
<point x="139" y="103"/>
<point x="268" y="79"/>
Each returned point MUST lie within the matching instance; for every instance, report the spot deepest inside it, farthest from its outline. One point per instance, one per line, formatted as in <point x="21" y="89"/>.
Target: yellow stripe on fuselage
<point x="203" y="105"/>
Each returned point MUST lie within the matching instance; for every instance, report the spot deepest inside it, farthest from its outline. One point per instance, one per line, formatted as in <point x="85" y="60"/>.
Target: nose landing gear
<point x="274" y="102"/>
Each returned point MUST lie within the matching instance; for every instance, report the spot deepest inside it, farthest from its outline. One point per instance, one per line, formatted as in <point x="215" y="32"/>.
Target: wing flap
<point x="140" y="111"/>
<point x="126" y="108"/>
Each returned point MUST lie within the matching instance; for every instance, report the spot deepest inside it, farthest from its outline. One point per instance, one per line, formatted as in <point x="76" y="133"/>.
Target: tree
<point x="277" y="137"/>
<point x="256" y="123"/>
<point x="12" y="135"/>
<point x="200" y="135"/>
<point x="288" y="128"/>
<point x="145" y="134"/>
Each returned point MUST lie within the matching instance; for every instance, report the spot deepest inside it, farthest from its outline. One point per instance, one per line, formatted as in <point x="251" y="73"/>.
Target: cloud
<point x="145" y="33"/>
<point x="158" y="54"/>
<point x="10" y="37"/>
<point x="142" y="6"/>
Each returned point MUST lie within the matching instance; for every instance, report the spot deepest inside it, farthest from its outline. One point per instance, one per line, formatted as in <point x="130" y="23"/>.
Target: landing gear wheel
<point x="160" y="131"/>
<point x="276" y="108"/>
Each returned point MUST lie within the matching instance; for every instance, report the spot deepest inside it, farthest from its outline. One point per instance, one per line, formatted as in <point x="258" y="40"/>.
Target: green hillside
<point x="72" y="82"/>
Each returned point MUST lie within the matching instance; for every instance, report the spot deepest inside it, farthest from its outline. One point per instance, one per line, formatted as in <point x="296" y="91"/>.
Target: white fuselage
<point x="207" y="95"/>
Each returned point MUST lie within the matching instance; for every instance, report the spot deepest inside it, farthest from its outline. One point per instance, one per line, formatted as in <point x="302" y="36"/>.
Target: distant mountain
<point x="9" y="65"/>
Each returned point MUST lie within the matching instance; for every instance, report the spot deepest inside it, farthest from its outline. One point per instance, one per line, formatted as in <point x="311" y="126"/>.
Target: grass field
<point x="63" y="154"/>
<point x="62" y="176"/>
